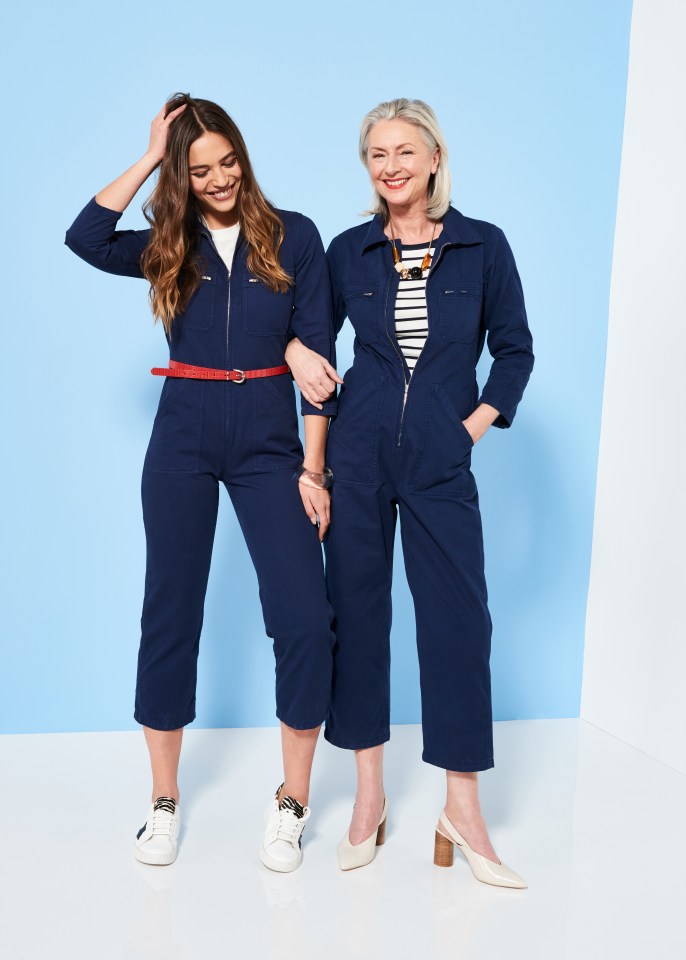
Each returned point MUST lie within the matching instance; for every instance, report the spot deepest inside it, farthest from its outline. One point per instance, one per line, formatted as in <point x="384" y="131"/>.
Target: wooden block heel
<point x="487" y="871"/>
<point x="443" y="851"/>
<point x="381" y="834"/>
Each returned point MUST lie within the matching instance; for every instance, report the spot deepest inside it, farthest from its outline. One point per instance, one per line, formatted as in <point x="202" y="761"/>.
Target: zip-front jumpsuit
<point x="244" y="435"/>
<point x="399" y="443"/>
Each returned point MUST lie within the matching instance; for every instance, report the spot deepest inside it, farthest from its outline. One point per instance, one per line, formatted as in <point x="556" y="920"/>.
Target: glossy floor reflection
<point x="595" y="827"/>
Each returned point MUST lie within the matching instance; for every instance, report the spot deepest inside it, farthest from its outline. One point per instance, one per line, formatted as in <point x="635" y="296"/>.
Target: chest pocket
<point x="460" y="310"/>
<point x="363" y="308"/>
<point x="265" y="312"/>
<point x="199" y="314"/>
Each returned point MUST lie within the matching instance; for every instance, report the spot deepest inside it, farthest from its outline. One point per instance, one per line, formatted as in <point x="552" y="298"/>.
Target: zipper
<point x="228" y="279"/>
<point x="398" y="351"/>
<point x="402" y="414"/>
<point x="228" y="301"/>
<point x="393" y="342"/>
<point x="408" y="382"/>
<point x="228" y="311"/>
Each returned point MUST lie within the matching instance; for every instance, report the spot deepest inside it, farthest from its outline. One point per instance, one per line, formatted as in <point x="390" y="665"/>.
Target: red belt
<point x="176" y="369"/>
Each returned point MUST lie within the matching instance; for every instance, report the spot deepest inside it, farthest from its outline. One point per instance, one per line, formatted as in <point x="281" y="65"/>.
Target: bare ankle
<point x="173" y="793"/>
<point x="297" y="793"/>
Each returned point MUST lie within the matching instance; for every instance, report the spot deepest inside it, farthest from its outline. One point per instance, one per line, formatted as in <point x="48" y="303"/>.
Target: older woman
<point x="424" y="287"/>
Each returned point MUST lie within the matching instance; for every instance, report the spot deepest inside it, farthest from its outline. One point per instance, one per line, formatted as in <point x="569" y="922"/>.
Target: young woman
<point x="231" y="278"/>
<point x="424" y="287"/>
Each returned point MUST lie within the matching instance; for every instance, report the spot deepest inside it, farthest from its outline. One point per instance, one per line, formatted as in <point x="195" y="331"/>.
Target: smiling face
<point x="400" y="164"/>
<point x="215" y="179"/>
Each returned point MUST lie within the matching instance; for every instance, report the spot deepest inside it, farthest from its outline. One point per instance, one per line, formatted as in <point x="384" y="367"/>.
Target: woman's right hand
<point x="159" y="132"/>
<point x="315" y="376"/>
<point x="119" y="194"/>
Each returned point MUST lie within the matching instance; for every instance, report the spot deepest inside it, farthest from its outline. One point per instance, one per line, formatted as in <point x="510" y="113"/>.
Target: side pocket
<point x="177" y="431"/>
<point x="276" y="438"/>
<point x="353" y="445"/>
<point x="442" y="467"/>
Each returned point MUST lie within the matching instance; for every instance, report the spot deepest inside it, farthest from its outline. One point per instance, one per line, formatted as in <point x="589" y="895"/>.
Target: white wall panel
<point x="635" y="659"/>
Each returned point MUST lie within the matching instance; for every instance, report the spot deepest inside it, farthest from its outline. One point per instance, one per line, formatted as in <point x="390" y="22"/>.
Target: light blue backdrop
<point x="531" y="99"/>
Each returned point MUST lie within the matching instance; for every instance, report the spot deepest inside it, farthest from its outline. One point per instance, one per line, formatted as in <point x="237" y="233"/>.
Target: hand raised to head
<point x="159" y="132"/>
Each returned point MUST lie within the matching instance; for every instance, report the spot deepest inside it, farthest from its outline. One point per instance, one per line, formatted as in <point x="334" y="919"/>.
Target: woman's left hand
<point x="470" y="430"/>
<point x="478" y="422"/>
<point x="317" y="504"/>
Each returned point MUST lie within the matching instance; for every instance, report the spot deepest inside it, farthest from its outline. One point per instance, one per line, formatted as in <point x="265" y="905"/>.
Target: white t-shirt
<point x="225" y="241"/>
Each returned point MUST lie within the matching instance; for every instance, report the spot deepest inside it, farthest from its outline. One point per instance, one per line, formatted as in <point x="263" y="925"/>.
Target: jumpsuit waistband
<point x="188" y="370"/>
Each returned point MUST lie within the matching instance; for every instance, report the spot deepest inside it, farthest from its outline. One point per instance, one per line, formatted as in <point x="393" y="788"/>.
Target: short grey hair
<point x="422" y="116"/>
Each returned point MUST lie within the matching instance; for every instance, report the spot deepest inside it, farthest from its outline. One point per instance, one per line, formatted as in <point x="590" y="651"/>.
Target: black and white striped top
<point x="411" y="324"/>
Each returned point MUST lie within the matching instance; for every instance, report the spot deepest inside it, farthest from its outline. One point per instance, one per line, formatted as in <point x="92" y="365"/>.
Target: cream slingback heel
<point x="359" y="855"/>
<point x="488" y="871"/>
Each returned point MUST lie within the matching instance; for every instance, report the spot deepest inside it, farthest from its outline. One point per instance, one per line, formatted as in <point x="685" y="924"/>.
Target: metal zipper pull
<point x="402" y="414"/>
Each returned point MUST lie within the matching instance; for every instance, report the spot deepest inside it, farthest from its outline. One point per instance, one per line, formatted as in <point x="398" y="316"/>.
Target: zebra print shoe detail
<point x="157" y="840"/>
<point x="281" y="848"/>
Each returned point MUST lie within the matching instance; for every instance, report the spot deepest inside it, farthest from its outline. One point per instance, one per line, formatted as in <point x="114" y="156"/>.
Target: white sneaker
<point x="281" y="848"/>
<point x="157" y="840"/>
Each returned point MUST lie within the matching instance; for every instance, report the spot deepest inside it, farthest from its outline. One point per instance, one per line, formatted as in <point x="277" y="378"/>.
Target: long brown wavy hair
<point x="170" y="260"/>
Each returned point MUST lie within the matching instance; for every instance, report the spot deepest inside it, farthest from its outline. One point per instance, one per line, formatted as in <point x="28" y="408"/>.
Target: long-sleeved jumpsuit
<point x="399" y="444"/>
<point x="244" y="435"/>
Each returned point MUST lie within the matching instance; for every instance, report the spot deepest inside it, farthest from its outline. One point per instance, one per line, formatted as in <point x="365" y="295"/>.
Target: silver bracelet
<point x="322" y="481"/>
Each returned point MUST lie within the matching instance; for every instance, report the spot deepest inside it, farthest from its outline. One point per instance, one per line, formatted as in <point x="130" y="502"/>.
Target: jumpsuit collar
<point x="205" y="232"/>
<point x="456" y="229"/>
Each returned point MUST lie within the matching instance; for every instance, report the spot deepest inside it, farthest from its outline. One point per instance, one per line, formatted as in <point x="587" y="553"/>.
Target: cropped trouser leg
<point x="359" y="572"/>
<point x="180" y="515"/>
<point x="285" y="550"/>
<point x="443" y="551"/>
<point x="444" y="560"/>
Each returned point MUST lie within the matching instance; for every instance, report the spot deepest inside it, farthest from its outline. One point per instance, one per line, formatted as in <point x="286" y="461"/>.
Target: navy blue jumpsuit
<point x="394" y="447"/>
<point x="244" y="435"/>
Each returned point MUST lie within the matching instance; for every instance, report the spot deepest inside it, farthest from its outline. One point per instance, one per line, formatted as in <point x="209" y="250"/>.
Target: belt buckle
<point x="234" y="379"/>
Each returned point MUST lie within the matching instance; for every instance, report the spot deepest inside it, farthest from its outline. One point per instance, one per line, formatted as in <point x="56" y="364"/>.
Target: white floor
<point x="596" y="827"/>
